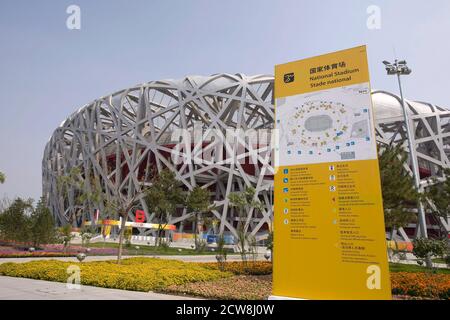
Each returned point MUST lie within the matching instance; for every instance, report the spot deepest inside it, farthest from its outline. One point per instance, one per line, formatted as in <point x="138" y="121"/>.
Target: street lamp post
<point x="400" y="68"/>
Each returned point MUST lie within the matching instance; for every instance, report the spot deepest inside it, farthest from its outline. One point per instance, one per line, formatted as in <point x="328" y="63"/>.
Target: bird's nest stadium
<point x="125" y="138"/>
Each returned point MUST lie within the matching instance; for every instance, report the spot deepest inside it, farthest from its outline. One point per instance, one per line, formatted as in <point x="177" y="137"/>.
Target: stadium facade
<point x="126" y="138"/>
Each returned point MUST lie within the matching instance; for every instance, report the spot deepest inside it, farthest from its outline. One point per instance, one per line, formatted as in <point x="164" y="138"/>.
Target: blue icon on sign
<point x="285" y="180"/>
<point x="285" y="190"/>
<point x="286" y="171"/>
<point x="352" y="143"/>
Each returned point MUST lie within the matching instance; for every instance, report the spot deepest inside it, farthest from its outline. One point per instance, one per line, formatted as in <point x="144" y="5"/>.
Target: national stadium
<point x="126" y="138"/>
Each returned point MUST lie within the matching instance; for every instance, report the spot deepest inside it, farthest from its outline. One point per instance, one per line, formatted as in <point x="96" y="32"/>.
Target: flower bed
<point x="418" y="283"/>
<point x="427" y="285"/>
<point x="242" y="287"/>
<point x="239" y="281"/>
<point x="405" y="285"/>
<point x="138" y="274"/>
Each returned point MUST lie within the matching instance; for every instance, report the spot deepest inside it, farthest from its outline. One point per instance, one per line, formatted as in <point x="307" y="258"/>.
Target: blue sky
<point x="48" y="71"/>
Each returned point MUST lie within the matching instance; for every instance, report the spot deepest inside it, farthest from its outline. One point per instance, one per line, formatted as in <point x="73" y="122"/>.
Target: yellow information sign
<point x="329" y="229"/>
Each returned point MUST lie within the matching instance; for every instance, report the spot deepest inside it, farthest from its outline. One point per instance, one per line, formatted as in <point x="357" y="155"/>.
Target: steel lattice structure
<point x="125" y="138"/>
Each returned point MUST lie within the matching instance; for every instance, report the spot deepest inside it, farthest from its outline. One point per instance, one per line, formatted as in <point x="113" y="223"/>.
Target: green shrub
<point x="425" y="248"/>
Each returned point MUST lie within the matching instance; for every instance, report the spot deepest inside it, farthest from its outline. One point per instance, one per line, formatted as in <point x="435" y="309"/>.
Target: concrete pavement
<point x="30" y="289"/>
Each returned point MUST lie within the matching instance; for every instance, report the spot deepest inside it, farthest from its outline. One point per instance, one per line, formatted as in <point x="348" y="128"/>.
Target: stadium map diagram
<point x="326" y="126"/>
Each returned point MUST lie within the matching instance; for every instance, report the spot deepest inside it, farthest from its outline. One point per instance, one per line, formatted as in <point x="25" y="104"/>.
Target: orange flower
<point x="421" y="284"/>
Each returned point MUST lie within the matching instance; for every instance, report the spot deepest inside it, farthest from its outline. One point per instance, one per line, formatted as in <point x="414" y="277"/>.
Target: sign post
<point x="329" y="240"/>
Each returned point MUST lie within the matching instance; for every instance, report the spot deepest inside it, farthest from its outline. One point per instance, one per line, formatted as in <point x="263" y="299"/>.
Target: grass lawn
<point x="399" y="267"/>
<point x="150" y="250"/>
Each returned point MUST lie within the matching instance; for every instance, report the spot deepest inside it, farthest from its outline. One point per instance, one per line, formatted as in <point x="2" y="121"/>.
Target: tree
<point x="198" y="202"/>
<point x="86" y="233"/>
<point x="42" y="225"/>
<point x="2" y="177"/>
<point x="424" y="249"/>
<point x="15" y="221"/>
<point x="221" y="256"/>
<point x="439" y="194"/>
<point x="399" y="192"/>
<point x="244" y="202"/>
<point x="269" y="244"/>
<point x="128" y="234"/>
<point x="5" y="202"/>
<point x="163" y="197"/>
<point x="91" y="191"/>
<point x="65" y="236"/>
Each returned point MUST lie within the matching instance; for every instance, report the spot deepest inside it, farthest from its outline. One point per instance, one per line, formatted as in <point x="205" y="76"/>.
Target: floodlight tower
<point x="400" y="68"/>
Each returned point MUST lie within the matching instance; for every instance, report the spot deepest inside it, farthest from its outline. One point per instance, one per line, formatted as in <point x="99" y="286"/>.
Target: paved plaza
<point x="30" y="289"/>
